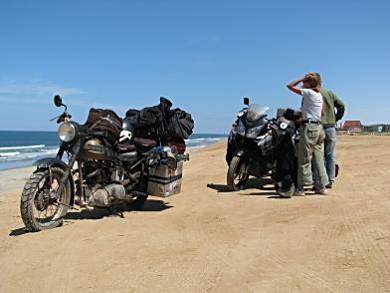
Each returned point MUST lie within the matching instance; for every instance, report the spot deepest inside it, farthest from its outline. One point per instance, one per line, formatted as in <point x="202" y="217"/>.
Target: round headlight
<point x="67" y="131"/>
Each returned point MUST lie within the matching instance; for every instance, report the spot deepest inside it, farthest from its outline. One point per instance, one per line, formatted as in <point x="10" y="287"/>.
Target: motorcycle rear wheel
<point x="36" y="200"/>
<point x="236" y="175"/>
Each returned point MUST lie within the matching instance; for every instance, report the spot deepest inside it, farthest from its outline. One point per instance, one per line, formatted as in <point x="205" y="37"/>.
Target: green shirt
<point x="331" y="102"/>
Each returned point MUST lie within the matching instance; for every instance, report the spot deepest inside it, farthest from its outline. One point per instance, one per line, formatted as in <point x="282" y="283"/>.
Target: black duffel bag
<point x="180" y="124"/>
<point x="132" y="116"/>
<point x="145" y="122"/>
<point x="150" y="117"/>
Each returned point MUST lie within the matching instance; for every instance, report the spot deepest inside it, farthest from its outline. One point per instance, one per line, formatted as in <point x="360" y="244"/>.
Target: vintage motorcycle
<point x="90" y="171"/>
<point x="259" y="147"/>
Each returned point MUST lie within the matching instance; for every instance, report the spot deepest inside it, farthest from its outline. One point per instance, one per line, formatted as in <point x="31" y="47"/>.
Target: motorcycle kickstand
<point x="69" y="206"/>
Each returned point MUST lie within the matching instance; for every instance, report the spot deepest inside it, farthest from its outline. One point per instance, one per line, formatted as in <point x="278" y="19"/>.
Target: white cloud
<point x="36" y="91"/>
<point x="38" y="88"/>
<point x="24" y="100"/>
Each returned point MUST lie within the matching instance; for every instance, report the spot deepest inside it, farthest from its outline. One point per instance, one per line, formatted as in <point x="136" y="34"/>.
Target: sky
<point x="203" y="55"/>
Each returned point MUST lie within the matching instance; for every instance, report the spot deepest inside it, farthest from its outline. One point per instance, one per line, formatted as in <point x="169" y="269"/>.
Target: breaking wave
<point x="25" y="151"/>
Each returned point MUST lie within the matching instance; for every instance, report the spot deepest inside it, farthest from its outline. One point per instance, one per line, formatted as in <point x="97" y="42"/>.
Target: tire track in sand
<point x="375" y="260"/>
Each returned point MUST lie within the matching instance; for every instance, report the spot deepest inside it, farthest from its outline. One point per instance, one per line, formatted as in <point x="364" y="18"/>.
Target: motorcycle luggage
<point x="132" y="116"/>
<point x="179" y="146"/>
<point x="180" y="124"/>
<point x="145" y="122"/>
<point x="163" y="181"/>
<point x="106" y="121"/>
<point x="150" y="116"/>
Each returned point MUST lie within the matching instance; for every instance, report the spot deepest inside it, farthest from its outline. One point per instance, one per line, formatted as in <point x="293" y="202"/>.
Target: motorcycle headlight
<point x="241" y="128"/>
<point x="67" y="131"/>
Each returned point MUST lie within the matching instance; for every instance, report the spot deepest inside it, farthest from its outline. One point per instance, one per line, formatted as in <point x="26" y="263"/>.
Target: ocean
<point x="22" y="148"/>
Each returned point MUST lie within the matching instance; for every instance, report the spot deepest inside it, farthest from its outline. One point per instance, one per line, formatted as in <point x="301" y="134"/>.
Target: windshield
<point x="255" y="112"/>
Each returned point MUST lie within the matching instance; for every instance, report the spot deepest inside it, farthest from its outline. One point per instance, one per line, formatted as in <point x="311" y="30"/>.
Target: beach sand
<point x="208" y="240"/>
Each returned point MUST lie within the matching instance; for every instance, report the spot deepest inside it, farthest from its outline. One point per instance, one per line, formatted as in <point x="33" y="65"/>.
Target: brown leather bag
<point x="105" y="120"/>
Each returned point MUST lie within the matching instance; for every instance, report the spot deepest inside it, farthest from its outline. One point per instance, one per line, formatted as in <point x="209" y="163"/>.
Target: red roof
<point x="352" y="124"/>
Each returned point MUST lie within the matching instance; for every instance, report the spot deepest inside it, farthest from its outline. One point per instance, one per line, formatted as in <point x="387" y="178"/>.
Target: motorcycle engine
<point x="104" y="187"/>
<point x="117" y="174"/>
<point x="108" y="195"/>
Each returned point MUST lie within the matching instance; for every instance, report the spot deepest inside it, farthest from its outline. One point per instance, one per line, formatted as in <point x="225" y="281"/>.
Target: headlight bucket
<point x="67" y="131"/>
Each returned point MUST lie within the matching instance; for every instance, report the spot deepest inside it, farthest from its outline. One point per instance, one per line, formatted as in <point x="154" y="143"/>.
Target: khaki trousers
<point x="311" y="150"/>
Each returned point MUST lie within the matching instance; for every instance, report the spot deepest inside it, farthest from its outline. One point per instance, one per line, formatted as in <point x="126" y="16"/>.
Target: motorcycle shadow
<point x="18" y="232"/>
<point x="264" y="184"/>
<point x="151" y="205"/>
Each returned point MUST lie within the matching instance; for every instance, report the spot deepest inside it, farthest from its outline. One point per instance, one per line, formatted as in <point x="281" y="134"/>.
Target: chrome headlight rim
<point x="67" y="131"/>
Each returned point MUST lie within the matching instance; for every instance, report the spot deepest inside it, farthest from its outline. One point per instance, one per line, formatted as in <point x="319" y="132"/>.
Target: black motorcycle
<point x="92" y="170"/>
<point x="260" y="147"/>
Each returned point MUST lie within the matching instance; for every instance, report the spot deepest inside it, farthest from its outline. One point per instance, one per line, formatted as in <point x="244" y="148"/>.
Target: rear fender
<point x="48" y="163"/>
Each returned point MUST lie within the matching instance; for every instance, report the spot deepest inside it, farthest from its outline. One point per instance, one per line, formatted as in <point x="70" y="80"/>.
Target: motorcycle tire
<point x="287" y="193"/>
<point x="235" y="163"/>
<point x="32" y="202"/>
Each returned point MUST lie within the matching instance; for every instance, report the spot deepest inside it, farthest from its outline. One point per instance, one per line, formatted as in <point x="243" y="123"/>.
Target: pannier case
<point x="163" y="181"/>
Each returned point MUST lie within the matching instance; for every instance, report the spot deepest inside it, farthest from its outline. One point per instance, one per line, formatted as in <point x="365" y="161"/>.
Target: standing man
<point x="312" y="135"/>
<point x="333" y="111"/>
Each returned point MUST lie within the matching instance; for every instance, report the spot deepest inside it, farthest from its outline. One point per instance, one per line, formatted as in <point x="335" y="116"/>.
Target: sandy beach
<point x="209" y="240"/>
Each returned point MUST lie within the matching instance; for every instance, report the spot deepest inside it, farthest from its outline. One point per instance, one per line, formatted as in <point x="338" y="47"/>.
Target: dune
<point x="208" y="240"/>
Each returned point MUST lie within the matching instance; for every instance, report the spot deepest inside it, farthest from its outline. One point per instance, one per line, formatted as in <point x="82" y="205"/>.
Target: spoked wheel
<point x="237" y="174"/>
<point x="38" y="208"/>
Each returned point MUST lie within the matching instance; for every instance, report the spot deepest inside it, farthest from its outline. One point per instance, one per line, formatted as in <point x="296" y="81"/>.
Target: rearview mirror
<point x="58" y="101"/>
<point x="246" y="101"/>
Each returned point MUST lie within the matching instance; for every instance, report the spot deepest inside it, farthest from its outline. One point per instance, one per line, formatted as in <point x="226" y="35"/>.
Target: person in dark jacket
<point x="333" y="111"/>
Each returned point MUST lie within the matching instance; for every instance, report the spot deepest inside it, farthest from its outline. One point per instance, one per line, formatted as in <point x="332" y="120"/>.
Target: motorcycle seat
<point x="145" y="142"/>
<point x="128" y="157"/>
<point x="126" y="147"/>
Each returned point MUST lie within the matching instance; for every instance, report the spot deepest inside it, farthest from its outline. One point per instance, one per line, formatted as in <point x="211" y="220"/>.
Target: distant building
<point x="352" y="126"/>
<point x="376" y="128"/>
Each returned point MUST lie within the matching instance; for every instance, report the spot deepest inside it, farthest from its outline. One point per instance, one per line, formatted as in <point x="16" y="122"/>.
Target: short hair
<point x="319" y="77"/>
<point x="313" y="80"/>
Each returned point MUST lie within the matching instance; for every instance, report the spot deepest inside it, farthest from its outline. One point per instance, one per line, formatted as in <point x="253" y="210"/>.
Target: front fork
<point x="75" y="151"/>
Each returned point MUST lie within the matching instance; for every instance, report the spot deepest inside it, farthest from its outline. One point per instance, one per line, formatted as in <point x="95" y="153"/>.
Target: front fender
<point x="51" y="162"/>
<point x="47" y="163"/>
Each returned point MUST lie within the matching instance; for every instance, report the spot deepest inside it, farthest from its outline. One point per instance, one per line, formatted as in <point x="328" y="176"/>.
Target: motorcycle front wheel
<point x="38" y="209"/>
<point x="237" y="175"/>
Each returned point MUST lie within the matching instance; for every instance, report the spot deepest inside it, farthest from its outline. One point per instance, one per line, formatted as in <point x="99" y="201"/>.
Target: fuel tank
<point x="94" y="149"/>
